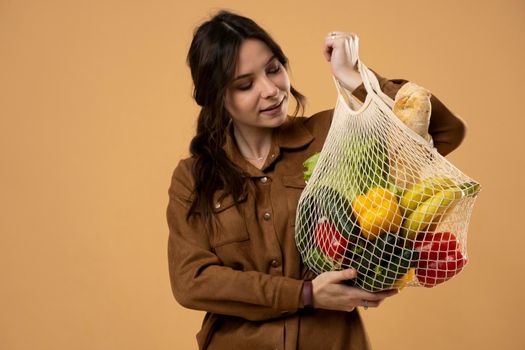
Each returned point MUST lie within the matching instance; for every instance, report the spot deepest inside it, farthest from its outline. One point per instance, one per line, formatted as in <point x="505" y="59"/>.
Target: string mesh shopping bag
<point x="382" y="200"/>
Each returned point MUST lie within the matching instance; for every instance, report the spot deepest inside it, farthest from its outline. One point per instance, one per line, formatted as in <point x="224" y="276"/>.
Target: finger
<point x="331" y="35"/>
<point x="328" y="47"/>
<point x="369" y="303"/>
<point x="339" y="276"/>
<point x="335" y="35"/>
<point x="334" y="39"/>
<point x="331" y="44"/>
<point x="381" y="295"/>
<point x="327" y="52"/>
<point x="364" y="295"/>
<point x="389" y="293"/>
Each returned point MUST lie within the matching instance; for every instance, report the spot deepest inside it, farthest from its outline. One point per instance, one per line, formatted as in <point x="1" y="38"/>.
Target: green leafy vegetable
<point x="309" y="166"/>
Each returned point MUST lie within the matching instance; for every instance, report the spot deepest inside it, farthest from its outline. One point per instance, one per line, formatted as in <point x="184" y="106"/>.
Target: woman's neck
<point x="254" y="143"/>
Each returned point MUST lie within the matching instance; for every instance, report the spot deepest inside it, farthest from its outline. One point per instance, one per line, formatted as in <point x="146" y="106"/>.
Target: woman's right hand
<point x="337" y="51"/>
<point x="330" y="293"/>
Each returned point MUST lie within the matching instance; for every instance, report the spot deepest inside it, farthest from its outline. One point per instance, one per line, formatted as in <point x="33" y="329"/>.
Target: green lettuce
<point x="309" y="166"/>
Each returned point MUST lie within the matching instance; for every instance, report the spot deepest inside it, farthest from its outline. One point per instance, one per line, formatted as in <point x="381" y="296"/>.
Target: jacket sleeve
<point x="199" y="280"/>
<point x="446" y="129"/>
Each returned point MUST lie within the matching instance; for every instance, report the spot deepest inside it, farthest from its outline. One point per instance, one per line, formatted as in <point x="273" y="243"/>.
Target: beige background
<point x="96" y="110"/>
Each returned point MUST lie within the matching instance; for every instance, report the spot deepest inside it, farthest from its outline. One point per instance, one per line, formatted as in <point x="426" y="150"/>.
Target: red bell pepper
<point x="437" y="245"/>
<point x="331" y="241"/>
<point x="439" y="258"/>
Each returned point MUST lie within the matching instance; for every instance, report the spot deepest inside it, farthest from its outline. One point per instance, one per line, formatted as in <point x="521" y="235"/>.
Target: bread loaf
<point x="412" y="106"/>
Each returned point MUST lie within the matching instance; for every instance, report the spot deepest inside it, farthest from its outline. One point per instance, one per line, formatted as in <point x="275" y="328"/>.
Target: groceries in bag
<point x="379" y="198"/>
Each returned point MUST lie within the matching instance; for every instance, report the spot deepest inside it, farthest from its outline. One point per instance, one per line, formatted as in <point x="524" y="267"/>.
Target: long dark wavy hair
<point x="212" y="58"/>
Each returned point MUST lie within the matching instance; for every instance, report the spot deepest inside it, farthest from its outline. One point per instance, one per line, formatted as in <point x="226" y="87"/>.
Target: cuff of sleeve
<point x="290" y="298"/>
<point x="360" y="92"/>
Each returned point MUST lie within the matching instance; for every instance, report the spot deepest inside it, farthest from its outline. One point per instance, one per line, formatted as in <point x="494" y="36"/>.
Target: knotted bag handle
<point x="370" y="81"/>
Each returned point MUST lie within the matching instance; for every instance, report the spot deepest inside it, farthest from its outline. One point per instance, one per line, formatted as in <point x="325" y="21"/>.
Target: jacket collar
<point x="292" y="134"/>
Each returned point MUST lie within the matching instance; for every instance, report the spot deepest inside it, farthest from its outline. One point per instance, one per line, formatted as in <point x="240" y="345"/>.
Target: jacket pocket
<point x="230" y="224"/>
<point x="294" y="187"/>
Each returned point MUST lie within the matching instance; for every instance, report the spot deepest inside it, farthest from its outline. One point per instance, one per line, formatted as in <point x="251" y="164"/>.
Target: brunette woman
<point x="232" y="204"/>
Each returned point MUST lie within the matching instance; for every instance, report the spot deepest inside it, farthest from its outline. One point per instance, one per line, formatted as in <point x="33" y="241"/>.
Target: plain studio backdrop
<point x="96" y="111"/>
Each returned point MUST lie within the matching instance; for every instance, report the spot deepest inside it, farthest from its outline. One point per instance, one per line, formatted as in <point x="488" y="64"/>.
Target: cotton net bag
<point x="381" y="199"/>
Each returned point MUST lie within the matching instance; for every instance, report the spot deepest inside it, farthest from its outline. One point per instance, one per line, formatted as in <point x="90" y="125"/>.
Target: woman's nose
<point x="269" y="89"/>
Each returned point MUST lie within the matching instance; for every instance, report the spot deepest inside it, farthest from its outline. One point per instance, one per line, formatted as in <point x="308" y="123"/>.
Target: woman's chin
<point x="275" y="118"/>
<point x="275" y="121"/>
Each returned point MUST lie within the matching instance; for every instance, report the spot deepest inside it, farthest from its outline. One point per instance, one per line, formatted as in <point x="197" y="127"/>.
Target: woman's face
<point x="258" y="95"/>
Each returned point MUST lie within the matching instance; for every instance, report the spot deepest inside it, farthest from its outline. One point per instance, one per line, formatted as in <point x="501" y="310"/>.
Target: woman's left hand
<point x="337" y="51"/>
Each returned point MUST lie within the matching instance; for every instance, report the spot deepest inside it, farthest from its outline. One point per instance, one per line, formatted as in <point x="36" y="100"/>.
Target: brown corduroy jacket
<point x="247" y="274"/>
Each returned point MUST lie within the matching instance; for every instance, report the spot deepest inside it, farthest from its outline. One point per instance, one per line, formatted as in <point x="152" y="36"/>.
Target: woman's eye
<point x="244" y="87"/>
<point x="274" y="69"/>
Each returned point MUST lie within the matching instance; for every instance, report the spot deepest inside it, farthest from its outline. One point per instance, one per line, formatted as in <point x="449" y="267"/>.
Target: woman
<point x="232" y="204"/>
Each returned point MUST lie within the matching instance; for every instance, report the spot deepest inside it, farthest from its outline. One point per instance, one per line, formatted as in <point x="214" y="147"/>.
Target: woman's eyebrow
<point x="249" y="74"/>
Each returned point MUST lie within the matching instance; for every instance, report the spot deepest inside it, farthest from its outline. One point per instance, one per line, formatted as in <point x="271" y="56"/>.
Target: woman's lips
<point x="274" y="109"/>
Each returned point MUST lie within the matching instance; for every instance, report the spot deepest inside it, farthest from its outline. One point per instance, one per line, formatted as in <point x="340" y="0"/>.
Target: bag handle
<point x="369" y="79"/>
<point x="372" y="84"/>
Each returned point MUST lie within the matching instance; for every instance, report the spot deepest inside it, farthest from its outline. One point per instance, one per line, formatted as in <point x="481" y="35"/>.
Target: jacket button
<point x="276" y="263"/>
<point x="264" y="180"/>
<point x="267" y="216"/>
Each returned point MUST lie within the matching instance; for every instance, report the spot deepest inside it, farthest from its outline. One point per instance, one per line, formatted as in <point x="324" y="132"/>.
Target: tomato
<point x="331" y="242"/>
